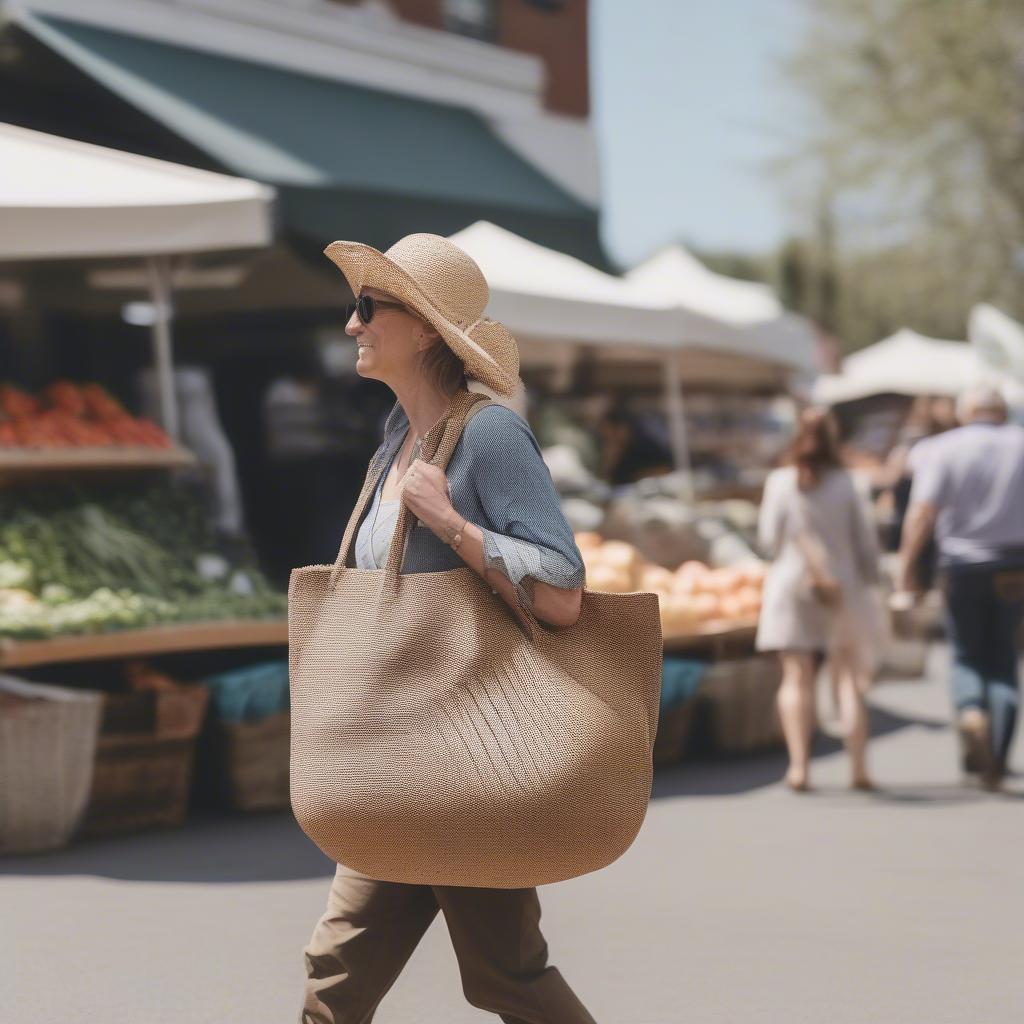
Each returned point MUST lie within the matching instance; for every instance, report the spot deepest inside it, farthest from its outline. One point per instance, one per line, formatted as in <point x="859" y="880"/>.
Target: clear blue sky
<point x="689" y="107"/>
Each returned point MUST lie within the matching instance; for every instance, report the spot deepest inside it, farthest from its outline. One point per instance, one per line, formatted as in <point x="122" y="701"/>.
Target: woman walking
<point x="494" y="509"/>
<point x="818" y="602"/>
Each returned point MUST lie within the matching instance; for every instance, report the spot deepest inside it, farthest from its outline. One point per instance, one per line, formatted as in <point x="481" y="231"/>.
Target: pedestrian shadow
<point x="217" y="849"/>
<point x="704" y="775"/>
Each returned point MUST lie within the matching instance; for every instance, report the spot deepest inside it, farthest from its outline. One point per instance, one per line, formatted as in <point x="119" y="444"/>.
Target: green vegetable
<point x="109" y="558"/>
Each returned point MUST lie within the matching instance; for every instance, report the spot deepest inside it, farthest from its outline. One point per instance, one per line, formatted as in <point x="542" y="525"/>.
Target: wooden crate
<point x="674" y="728"/>
<point x="256" y="762"/>
<point x="737" y="704"/>
<point x="144" y="760"/>
<point x="139" y="782"/>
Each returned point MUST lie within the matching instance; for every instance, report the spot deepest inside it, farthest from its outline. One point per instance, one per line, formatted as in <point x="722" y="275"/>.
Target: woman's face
<point x="389" y="343"/>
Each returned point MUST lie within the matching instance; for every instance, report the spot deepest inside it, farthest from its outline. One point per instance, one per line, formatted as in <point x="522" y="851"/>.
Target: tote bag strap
<point x="465" y="406"/>
<point x="369" y="486"/>
<point x="445" y="433"/>
<point x="438" y="446"/>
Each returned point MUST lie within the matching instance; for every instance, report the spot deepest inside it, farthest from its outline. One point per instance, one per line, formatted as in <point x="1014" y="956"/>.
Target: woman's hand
<point x="425" y="493"/>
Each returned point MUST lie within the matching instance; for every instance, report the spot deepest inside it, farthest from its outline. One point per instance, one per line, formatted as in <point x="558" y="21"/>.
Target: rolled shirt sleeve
<point x="527" y="536"/>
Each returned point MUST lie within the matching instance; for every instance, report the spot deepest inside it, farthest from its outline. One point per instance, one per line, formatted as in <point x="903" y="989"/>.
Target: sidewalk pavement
<point x="739" y="902"/>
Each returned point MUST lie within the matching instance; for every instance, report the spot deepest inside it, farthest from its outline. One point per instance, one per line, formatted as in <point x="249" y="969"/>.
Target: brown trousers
<point x="370" y="929"/>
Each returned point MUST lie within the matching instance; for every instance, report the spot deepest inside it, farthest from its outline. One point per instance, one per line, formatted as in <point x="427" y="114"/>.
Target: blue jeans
<point x="984" y="608"/>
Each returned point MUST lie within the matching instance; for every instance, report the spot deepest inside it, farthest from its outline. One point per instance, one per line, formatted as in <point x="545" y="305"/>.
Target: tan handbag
<point x="438" y="741"/>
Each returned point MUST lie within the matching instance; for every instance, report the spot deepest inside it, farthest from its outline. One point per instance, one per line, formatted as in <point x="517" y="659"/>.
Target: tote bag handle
<point x="437" y="451"/>
<point x="463" y="407"/>
<point x="434" y="443"/>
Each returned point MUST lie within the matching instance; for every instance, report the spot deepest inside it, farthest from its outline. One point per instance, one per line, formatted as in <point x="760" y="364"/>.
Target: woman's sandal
<point x="797" y="785"/>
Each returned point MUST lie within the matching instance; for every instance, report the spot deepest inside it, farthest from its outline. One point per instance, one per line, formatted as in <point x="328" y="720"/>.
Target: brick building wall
<point x="554" y="30"/>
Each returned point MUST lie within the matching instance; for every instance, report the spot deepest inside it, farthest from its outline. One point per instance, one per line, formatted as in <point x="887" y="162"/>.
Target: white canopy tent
<point x="908" y="363"/>
<point x="741" y="324"/>
<point x="671" y="303"/>
<point x="671" y="309"/>
<point x="548" y="296"/>
<point x="725" y="314"/>
<point x="65" y="199"/>
<point x="541" y="293"/>
<point x="998" y="339"/>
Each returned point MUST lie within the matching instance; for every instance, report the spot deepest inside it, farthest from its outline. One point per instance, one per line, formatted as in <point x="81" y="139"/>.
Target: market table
<point x="63" y="460"/>
<point x="128" y="643"/>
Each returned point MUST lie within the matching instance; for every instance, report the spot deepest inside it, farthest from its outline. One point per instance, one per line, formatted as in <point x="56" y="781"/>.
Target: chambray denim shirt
<point x="497" y="480"/>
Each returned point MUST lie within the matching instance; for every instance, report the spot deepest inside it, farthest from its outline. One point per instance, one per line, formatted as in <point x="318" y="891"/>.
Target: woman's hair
<point x="815" y="448"/>
<point x="443" y="368"/>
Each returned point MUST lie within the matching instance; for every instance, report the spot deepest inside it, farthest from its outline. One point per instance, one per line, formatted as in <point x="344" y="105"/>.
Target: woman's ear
<point x="427" y="337"/>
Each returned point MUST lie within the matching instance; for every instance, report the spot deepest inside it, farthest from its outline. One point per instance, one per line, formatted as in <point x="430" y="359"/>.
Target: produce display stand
<point x="672" y="740"/>
<point x="126" y="207"/>
<point x="131" y="643"/>
<point x="735" y="706"/>
<point x="18" y="464"/>
<point x="255" y="769"/>
<point x="733" y="710"/>
<point x="718" y="639"/>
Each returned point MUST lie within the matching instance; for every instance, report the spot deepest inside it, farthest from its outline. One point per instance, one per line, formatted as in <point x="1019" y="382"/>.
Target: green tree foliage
<point x="917" y="135"/>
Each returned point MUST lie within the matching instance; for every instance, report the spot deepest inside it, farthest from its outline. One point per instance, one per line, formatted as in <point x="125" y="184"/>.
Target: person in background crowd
<point x="926" y="419"/>
<point x="969" y="491"/>
<point x="629" y="452"/>
<point x="818" y="600"/>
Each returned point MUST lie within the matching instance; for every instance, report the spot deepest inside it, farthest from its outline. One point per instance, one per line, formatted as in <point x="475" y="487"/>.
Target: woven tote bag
<point x="436" y="740"/>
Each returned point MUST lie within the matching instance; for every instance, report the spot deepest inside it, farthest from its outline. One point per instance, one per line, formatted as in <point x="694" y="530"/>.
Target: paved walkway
<point x="739" y="902"/>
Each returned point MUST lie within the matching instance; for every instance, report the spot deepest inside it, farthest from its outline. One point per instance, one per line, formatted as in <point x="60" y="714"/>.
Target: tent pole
<point x="677" y="419"/>
<point x="160" y="290"/>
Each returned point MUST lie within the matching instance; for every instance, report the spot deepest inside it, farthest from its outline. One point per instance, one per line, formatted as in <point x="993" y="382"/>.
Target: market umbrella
<point x="60" y="199"/>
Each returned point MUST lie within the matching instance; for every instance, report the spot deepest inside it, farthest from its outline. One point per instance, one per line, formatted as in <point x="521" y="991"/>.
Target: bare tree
<point x="917" y="132"/>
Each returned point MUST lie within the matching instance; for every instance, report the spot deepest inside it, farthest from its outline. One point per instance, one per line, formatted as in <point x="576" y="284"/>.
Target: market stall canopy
<point x="676" y="277"/>
<point x="345" y="159"/>
<point x="543" y="294"/>
<point x="60" y="199"/>
<point x="540" y="293"/>
<point x="998" y="339"/>
<point x="906" y="363"/>
<point x="719" y="313"/>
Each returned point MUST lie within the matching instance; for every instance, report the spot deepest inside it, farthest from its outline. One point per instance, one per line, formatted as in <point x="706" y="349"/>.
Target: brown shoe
<point x="975" y="742"/>
<point x="993" y="782"/>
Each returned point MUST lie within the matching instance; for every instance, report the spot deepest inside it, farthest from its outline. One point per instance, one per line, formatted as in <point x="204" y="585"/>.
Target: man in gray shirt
<point x="968" y="488"/>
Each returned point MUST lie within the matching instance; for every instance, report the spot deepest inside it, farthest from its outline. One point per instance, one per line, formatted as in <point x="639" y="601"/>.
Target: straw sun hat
<point x="444" y="286"/>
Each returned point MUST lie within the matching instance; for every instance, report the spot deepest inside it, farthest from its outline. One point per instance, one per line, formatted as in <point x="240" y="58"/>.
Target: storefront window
<point x="477" y="18"/>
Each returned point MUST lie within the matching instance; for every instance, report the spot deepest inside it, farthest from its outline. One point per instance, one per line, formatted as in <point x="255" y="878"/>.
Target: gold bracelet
<point x="454" y="535"/>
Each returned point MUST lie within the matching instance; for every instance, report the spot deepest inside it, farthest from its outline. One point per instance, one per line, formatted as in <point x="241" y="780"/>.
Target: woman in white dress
<point x="819" y="600"/>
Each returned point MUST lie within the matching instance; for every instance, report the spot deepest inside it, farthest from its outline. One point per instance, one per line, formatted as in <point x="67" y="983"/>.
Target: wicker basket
<point x="256" y="759"/>
<point x="47" y="744"/>
<point x="144" y="760"/>
<point x="737" y="700"/>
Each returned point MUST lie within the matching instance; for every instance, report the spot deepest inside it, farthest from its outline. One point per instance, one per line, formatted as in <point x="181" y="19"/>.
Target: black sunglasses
<point x="366" y="306"/>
